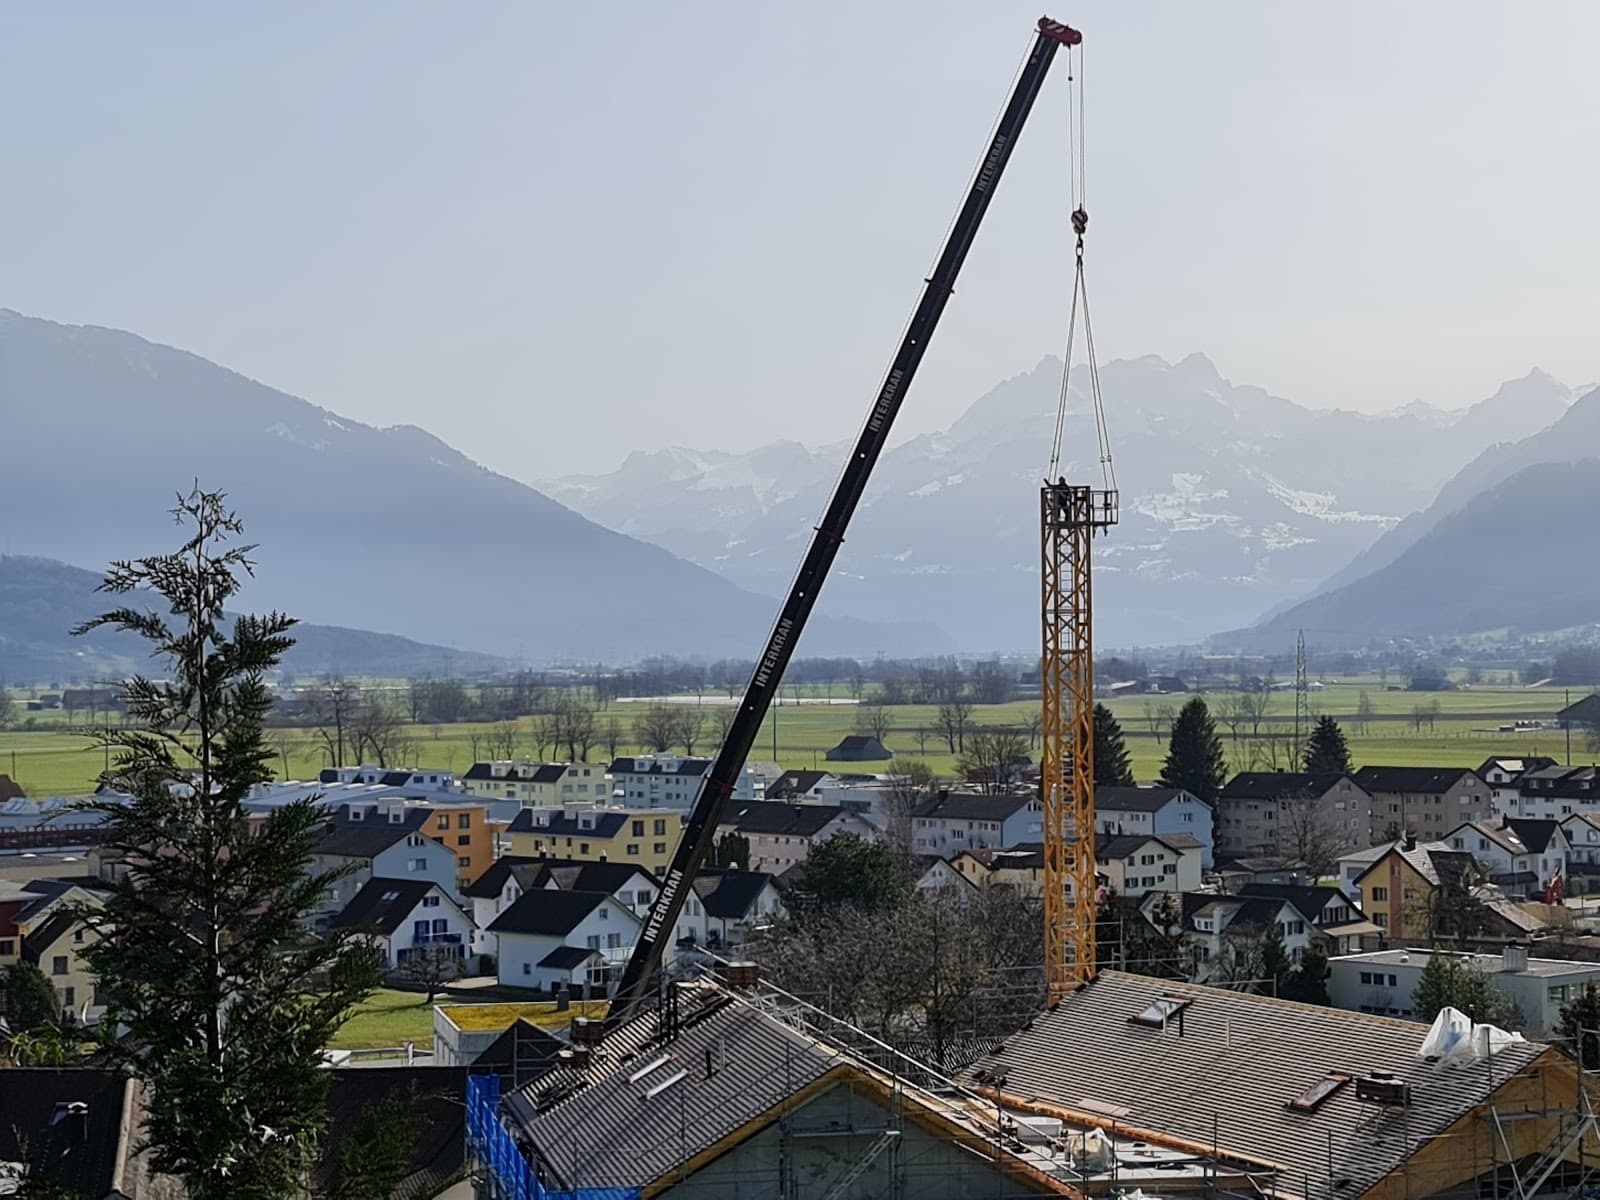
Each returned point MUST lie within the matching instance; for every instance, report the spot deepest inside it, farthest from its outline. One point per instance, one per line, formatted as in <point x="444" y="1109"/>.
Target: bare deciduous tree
<point x="432" y="967"/>
<point x="612" y="735"/>
<point x="689" y="726"/>
<point x="992" y="757"/>
<point x="875" y="717"/>
<point x="722" y="719"/>
<point x="953" y="718"/>
<point x="377" y="734"/>
<point x="331" y="704"/>
<point x="656" y="728"/>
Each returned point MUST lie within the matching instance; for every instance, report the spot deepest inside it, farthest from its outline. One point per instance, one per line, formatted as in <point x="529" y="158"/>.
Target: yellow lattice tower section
<point x="1069" y="517"/>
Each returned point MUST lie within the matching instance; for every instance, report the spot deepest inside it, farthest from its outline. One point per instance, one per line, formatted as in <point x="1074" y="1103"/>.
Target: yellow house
<point x="1021" y="867"/>
<point x="646" y="836"/>
<point x="534" y="784"/>
<point x="54" y="939"/>
<point x="1398" y="891"/>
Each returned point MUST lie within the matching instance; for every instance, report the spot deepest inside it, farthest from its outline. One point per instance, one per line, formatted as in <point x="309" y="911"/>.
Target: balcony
<point x="436" y="939"/>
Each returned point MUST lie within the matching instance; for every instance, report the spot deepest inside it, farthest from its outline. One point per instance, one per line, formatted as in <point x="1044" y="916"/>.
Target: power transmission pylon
<point x="1070" y="515"/>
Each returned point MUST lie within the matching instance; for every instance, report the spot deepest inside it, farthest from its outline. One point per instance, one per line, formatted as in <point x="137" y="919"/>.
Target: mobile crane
<point x="638" y="977"/>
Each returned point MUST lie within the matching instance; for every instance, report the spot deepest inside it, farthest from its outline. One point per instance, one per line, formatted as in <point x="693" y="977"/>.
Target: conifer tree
<point x="31" y="1002"/>
<point x="1195" y="760"/>
<point x="1112" y="767"/>
<point x="222" y="998"/>
<point x="1326" y="750"/>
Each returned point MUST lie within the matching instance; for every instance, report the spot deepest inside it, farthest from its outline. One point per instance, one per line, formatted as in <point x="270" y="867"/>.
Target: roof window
<point x="1318" y="1094"/>
<point x="1160" y="1012"/>
<point x="676" y="1077"/>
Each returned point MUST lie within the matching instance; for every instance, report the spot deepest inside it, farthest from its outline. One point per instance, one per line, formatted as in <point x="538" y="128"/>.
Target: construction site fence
<point x="494" y="1150"/>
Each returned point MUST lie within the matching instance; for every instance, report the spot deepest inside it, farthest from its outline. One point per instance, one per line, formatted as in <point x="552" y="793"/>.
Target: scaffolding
<point x="1069" y="516"/>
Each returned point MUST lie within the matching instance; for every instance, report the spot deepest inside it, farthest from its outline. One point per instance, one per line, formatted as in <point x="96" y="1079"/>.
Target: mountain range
<point x="1234" y="501"/>
<point x="1509" y="542"/>
<point x="41" y="600"/>
<point x="360" y="527"/>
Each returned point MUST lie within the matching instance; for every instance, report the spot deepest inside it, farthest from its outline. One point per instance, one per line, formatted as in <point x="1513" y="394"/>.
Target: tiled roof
<point x="1534" y="833"/>
<point x="566" y="958"/>
<point x="692" y="767"/>
<point x="551" y="913"/>
<point x="539" y="773"/>
<point x="436" y="1145"/>
<point x="370" y="836"/>
<point x="773" y="818"/>
<point x="491" y="881"/>
<point x="1412" y="780"/>
<point x="1311" y="901"/>
<point x="730" y="895"/>
<point x="1135" y="799"/>
<point x="972" y="806"/>
<point x="383" y="904"/>
<point x="79" y="1154"/>
<point x="1231" y="1070"/>
<point x="602" y="824"/>
<point x="794" y="783"/>
<point x="1279" y="785"/>
<point x="38" y="943"/>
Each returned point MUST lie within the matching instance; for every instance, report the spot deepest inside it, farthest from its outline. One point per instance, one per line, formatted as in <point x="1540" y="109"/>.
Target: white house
<point x="552" y="939"/>
<point x="951" y="822"/>
<point x="408" y="917"/>
<point x="1547" y="791"/>
<point x="389" y="844"/>
<point x="1136" y="863"/>
<point x="504" y="883"/>
<point x="1582" y="831"/>
<point x="934" y="875"/>
<point x="1218" y="932"/>
<point x="781" y="835"/>
<point x="669" y="781"/>
<point x="1522" y="854"/>
<point x="734" y="903"/>
<point x="1148" y="809"/>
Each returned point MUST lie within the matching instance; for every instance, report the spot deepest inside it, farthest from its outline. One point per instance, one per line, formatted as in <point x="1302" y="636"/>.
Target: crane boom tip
<point x="1057" y="32"/>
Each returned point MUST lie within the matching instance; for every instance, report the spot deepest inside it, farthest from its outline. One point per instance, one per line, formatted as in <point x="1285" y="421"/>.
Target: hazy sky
<point x="555" y="233"/>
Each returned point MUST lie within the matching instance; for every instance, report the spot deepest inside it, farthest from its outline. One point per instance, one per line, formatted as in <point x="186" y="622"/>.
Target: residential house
<point x="645" y="837"/>
<point x="1020" y="867"/>
<point x="408" y="918"/>
<point x="1551" y="793"/>
<point x="1419" y="892"/>
<point x="801" y="787"/>
<point x="1157" y="810"/>
<point x="1425" y="802"/>
<point x="1383" y="982"/>
<point x="535" y="784"/>
<point x="431" y="779"/>
<point x="1584" y="713"/>
<point x="1582" y="831"/>
<point x="858" y="747"/>
<point x="1340" y="924"/>
<point x="669" y="781"/>
<point x="558" y="940"/>
<point x="1504" y="775"/>
<point x="950" y="822"/>
<point x="781" y="835"/>
<point x="1522" y="855"/>
<point x="934" y="875"/>
<point x="78" y="1132"/>
<point x="1307" y="815"/>
<point x="391" y="844"/>
<point x="1233" y="874"/>
<point x="735" y="903"/>
<point x="56" y="945"/>
<point x="502" y="884"/>
<point x="1221" y="934"/>
<point x="1134" y="864"/>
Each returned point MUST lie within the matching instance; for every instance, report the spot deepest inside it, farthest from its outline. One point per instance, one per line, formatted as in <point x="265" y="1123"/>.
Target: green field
<point x="57" y="759"/>
<point x="390" y="1018"/>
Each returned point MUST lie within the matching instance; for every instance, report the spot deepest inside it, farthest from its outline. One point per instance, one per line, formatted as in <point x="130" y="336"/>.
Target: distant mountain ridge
<point x="1508" y="543"/>
<point x="1233" y="500"/>
<point x="359" y="527"/>
<point x="41" y="600"/>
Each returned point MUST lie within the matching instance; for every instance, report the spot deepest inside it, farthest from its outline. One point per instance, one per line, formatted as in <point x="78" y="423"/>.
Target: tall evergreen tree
<point x="1579" y="1027"/>
<point x="1195" y="760"/>
<point x="1326" y="750"/>
<point x="1112" y="766"/>
<point x="225" y="999"/>
<point x="31" y="1002"/>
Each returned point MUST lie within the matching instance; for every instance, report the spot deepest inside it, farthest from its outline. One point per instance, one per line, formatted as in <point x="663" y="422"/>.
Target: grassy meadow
<point x="58" y="758"/>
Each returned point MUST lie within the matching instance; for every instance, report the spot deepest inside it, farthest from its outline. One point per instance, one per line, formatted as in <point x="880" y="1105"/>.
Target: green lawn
<point x="58" y="760"/>
<point x="388" y="1018"/>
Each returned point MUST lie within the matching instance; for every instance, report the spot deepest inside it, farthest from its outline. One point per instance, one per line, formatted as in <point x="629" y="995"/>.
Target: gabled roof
<point x="1135" y="799"/>
<point x="1434" y="861"/>
<point x="1514" y="765"/>
<point x="537" y="773"/>
<point x="858" y="747"/>
<point x="369" y="836"/>
<point x="574" y="876"/>
<point x="1024" y="856"/>
<point x="604" y="824"/>
<point x="971" y="806"/>
<point x="642" y="765"/>
<point x="1109" y="846"/>
<point x="1233" y="1071"/>
<point x="1311" y="901"/>
<point x="568" y="958"/>
<point x="521" y="1054"/>
<point x="436" y="1147"/>
<point x="1240" y="911"/>
<point x="491" y="881"/>
<point x="795" y="783"/>
<point x="774" y="818"/>
<point x="730" y="895"/>
<point x="1412" y="780"/>
<point x="1534" y="832"/>
<point x="38" y="943"/>
<point x="385" y="904"/>
<point x="80" y="1153"/>
<point x="547" y="912"/>
<point x="1582" y="712"/>
<point x="1279" y="785"/>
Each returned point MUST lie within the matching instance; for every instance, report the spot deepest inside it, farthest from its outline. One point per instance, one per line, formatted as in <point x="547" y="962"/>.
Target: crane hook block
<point x="1080" y="222"/>
<point x="1057" y="32"/>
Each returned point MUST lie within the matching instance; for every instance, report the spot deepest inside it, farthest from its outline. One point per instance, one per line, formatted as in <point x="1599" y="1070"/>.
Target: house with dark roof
<point x="1522" y="855"/>
<point x="409" y="919"/>
<point x="800" y="787"/>
<point x="561" y="940"/>
<point x="1221" y="934"/>
<point x="1156" y="809"/>
<point x="1134" y="864"/>
<point x="647" y="837"/>
<point x="734" y="903"/>
<point x="1551" y="793"/>
<point x="1584" y="713"/>
<point x="1341" y="925"/>
<point x="502" y="884"/>
<point x="389" y="843"/>
<point x="952" y="821"/>
<point x="54" y="938"/>
<point x="858" y="747"/>
<point x="1297" y="813"/>
<point x="536" y="784"/>
<point x="781" y="835"/>
<point x="436" y="1147"/>
<point x="1020" y="867"/>
<point x="77" y="1129"/>
<point x="1426" y="802"/>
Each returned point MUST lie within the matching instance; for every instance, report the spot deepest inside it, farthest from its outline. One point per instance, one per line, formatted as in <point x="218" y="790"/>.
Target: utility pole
<point x="1301" y="686"/>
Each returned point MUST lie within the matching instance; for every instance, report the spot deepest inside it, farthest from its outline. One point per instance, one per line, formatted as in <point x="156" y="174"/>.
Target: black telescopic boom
<point x="639" y="976"/>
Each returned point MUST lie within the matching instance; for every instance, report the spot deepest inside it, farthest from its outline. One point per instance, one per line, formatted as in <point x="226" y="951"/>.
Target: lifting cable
<point x="1076" y="175"/>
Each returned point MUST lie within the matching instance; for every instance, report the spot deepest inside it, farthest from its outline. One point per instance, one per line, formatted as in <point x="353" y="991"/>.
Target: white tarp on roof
<point x="1454" y="1037"/>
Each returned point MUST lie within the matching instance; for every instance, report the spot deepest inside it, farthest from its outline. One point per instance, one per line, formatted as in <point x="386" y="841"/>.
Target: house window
<point x="440" y="925"/>
<point x="1381" y="920"/>
<point x="430" y="902"/>
<point x="605" y="913"/>
<point x="8" y="947"/>
<point x="69" y="997"/>
<point x="633" y="847"/>
<point x="527" y="968"/>
<point x="77" y="936"/>
<point x="638" y="829"/>
<point x="419" y="864"/>
<point x="464" y="860"/>
<point x="444" y="822"/>
<point x="660" y="848"/>
<point x="661" y="828"/>
<point x="58" y="965"/>
<point x="1380" y="893"/>
<point x="593" y="941"/>
<point x="613" y="941"/>
<point x="1366" y="977"/>
<point x="583" y="847"/>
